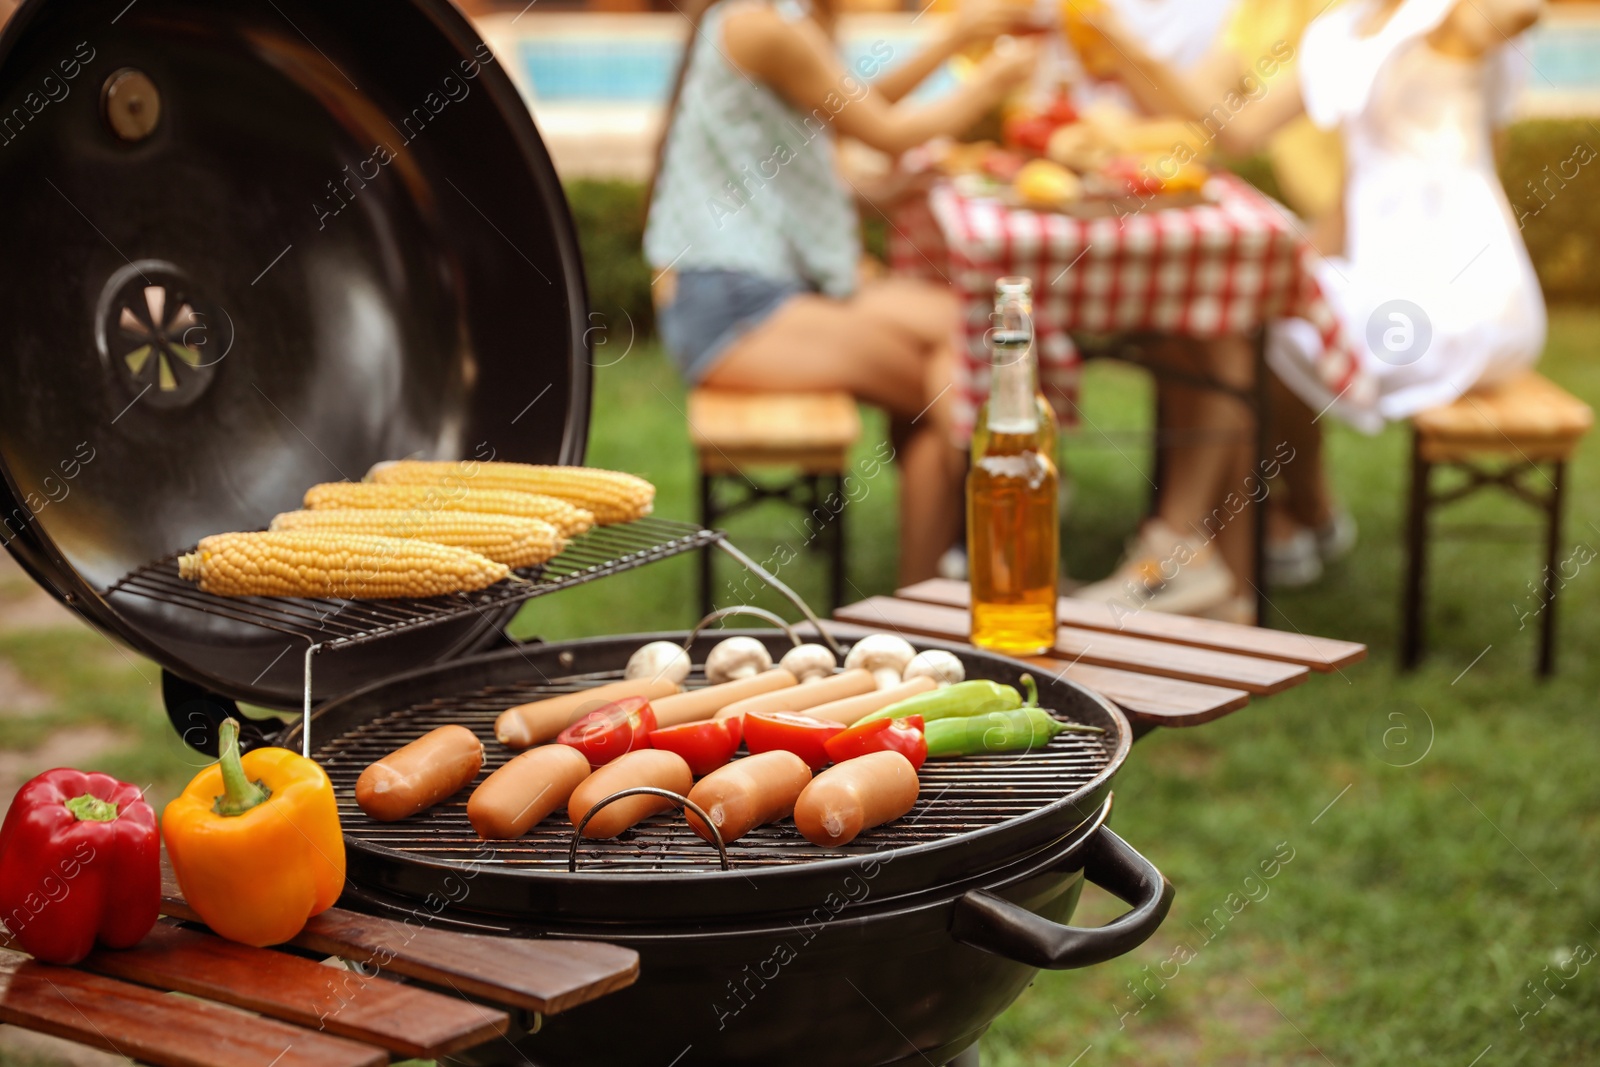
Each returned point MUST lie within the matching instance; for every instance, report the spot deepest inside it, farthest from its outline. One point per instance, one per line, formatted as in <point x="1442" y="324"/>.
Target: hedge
<point x="1551" y="174"/>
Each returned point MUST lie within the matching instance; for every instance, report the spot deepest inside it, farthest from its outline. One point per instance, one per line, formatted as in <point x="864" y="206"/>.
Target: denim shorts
<point x="714" y="308"/>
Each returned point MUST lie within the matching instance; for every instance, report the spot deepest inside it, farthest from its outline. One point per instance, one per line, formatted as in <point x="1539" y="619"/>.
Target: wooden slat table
<point x="251" y="1007"/>
<point x="1162" y="670"/>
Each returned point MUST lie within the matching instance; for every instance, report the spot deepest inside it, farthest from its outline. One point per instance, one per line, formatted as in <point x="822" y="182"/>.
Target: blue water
<point x="594" y="69"/>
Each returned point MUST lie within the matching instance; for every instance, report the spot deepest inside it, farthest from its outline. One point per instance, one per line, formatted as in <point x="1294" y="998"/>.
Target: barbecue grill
<point x="212" y="315"/>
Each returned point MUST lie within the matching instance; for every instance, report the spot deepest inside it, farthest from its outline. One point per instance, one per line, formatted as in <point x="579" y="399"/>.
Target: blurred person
<point x="1434" y="288"/>
<point x="753" y="233"/>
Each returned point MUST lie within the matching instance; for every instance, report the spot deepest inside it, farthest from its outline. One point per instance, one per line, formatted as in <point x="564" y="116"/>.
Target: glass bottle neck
<point x="1014" y="385"/>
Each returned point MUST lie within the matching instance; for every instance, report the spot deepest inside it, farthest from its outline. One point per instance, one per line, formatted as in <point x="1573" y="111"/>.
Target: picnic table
<point x="462" y="990"/>
<point x="1107" y="287"/>
<point x="1161" y="670"/>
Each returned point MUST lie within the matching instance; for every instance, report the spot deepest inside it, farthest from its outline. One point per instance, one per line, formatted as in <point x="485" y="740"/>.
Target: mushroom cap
<point x="658" y="659"/>
<point x="737" y="657"/>
<point x="943" y="667"/>
<point x="877" y="652"/>
<point x="809" y="661"/>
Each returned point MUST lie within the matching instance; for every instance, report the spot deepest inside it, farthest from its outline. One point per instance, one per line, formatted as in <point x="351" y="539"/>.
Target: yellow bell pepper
<point x="255" y="842"/>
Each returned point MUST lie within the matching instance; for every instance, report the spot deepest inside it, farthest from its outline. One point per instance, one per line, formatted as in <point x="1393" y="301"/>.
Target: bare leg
<point x="1310" y="500"/>
<point x="889" y="346"/>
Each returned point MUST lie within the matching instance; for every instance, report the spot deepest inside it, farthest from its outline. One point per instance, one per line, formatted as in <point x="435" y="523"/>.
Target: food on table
<point x="1154" y="175"/>
<point x="514" y="541"/>
<point x="735" y="658"/>
<point x="697" y="704"/>
<point x="1044" y="183"/>
<point x="1019" y="730"/>
<point x="852" y="709"/>
<point x="885" y="655"/>
<point x="347" y="566"/>
<point x="611" y="495"/>
<point x="1002" y="165"/>
<point x="419" y="775"/>
<point x="541" y="720"/>
<point x="809" y="662"/>
<point x="964" y="698"/>
<point x="854" y="796"/>
<point x="963" y="157"/>
<point x="1027" y="131"/>
<point x="943" y="667"/>
<point x="80" y="865"/>
<point x="566" y="517"/>
<point x="790" y="732"/>
<point x="610" y="731"/>
<point x="752" y="792"/>
<point x="659" y="659"/>
<point x="525" y="791"/>
<point x="1085" y="147"/>
<point x="704" y="745"/>
<point x="846" y="683"/>
<point x="648" y="767"/>
<point x="255" y="842"/>
<point x="904" y="736"/>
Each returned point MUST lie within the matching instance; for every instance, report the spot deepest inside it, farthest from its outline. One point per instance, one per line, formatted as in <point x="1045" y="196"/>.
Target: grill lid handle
<point x="989" y="922"/>
<point x="678" y="799"/>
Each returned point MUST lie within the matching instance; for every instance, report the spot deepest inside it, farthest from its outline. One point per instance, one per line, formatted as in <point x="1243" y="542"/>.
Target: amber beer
<point x="1013" y="524"/>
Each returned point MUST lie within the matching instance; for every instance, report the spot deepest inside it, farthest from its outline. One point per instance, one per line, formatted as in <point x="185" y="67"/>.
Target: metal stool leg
<point x="1416" y="558"/>
<point x="708" y="519"/>
<point x="836" y="587"/>
<point x="1552" y="548"/>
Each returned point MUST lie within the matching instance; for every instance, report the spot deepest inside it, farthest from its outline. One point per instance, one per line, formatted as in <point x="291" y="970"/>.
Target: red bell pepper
<point x="904" y="736"/>
<point x="80" y="863"/>
<point x="611" y="730"/>
<point x="705" y="746"/>
<point x="804" y="736"/>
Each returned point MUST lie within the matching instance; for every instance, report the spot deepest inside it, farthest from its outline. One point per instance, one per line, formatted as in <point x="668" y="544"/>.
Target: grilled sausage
<point x="421" y="774"/>
<point x="804" y="697"/>
<point x="525" y="791"/>
<point x="855" y="795"/>
<point x="538" y="722"/>
<point x="698" y="704"/>
<point x="748" y="793"/>
<point x="653" y="767"/>
<point x="848" y="710"/>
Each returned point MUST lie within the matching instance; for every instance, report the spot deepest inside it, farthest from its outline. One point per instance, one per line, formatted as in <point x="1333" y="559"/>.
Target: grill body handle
<point x="989" y="922"/>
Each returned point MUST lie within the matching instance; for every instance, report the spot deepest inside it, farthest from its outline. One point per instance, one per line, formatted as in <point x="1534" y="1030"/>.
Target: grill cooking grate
<point x="330" y="623"/>
<point x="958" y="796"/>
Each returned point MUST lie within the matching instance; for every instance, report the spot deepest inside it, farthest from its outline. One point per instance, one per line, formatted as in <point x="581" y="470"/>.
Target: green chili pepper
<point x="953" y="701"/>
<point x="1017" y="730"/>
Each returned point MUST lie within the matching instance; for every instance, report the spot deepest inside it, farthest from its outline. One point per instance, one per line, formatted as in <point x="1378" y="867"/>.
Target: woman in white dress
<point x="1434" y="288"/>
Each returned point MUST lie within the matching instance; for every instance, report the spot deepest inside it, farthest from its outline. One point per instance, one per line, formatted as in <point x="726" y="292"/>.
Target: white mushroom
<point x="885" y="655"/>
<point x="809" y="662"/>
<point x="943" y="667"/>
<point x="659" y="659"/>
<point x="737" y="657"/>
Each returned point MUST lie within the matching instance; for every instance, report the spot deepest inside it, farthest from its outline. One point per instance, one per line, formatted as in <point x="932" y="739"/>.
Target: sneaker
<point x="1164" y="572"/>
<point x="1337" y="536"/>
<point x="1240" y="609"/>
<point x="1295" y="562"/>
<point x="953" y="564"/>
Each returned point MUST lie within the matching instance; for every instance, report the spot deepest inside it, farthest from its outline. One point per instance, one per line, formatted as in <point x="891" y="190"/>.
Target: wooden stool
<point x="810" y="433"/>
<point x="1521" y="425"/>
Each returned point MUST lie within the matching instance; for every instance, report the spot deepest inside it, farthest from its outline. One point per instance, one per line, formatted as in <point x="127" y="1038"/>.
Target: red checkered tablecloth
<point x="1224" y="267"/>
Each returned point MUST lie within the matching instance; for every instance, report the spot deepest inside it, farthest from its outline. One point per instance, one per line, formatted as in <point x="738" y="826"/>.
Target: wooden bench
<point x="810" y="434"/>
<point x="1504" y="436"/>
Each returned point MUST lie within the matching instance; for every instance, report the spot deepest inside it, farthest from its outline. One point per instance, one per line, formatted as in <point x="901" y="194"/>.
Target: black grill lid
<point x="251" y="247"/>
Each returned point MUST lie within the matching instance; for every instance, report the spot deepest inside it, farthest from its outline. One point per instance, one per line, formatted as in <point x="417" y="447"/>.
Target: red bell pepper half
<point x="804" y="736"/>
<point x="904" y="736"/>
<point x="612" y="730"/>
<point x="80" y="863"/>
<point x="705" y="746"/>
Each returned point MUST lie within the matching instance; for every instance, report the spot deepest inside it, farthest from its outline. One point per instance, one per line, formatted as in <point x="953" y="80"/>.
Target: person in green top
<point x="753" y="236"/>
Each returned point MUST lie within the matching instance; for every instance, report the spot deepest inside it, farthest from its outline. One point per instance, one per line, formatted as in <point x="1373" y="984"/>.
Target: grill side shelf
<point x="331" y="623"/>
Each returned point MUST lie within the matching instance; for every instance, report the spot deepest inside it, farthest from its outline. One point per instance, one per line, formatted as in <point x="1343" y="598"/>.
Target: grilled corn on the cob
<point x="348" y="566"/>
<point x="427" y="500"/>
<point x="507" y="539"/>
<point x="612" y="495"/>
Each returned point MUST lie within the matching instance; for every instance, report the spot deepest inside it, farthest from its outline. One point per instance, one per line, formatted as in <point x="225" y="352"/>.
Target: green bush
<point x="1551" y="173"/>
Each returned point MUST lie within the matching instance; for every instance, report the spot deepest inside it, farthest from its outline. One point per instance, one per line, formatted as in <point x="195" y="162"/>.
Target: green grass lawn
<point x="1423" y="905"/>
